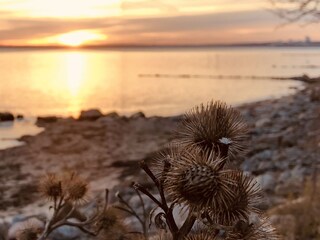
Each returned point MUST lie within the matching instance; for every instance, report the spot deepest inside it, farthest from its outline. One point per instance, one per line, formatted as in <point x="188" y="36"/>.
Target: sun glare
<point x="78" y="38"/>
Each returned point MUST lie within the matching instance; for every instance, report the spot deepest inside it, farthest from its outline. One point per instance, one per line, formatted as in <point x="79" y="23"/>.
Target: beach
<point x="284" y="151"/>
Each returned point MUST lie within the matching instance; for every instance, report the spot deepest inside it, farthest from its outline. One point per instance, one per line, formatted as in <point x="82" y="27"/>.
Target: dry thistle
<point x="198" y="181"/>
<point x="246" y="195"/>
<point x="29" y="231"/>
<point x="111" y="226"/>
<point x="27" y="234"/>
<point x="204" y="235"/>
<point x="76" y="188"/>
<point x="210" y="126"/>
<point x="50" y="187"/>
<point x="259" y="231"/>
<point x="109" y="219"/>
<point x="163" y="160"/>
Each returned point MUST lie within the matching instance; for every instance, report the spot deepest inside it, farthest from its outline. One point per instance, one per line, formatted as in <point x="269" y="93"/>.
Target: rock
<point x="267" y="181"/>
<point x="48" y="119"/>
<point x="6" y="116"/>
<point x="290" y="182"/>
<point x="137" y="115"/>
<point x="90" y="115"/>
<point x="262" y="122"/>
<point x="112" y="115"/>
<point x="20" y="116"/>
<point x="66" y="233"/>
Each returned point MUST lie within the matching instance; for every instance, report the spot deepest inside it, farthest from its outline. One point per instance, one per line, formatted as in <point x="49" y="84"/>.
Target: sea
<point x="158" y="81"/>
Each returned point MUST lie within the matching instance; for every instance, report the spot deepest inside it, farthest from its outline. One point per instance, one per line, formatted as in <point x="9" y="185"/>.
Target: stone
<point x="267" y="181"/>
<point x="6" y="116"/>
<point x="137" y="115"/>
<point x="262" y="122"/>
<point x="90" y="115"/>
<point x="112" y="115"/>
<point x="66" y="233"/>
<point x="290" y="182"/>
<point x="45" y="120"/>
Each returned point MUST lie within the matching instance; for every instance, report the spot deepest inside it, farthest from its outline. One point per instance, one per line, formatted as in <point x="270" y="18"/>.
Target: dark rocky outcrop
<point x="90" y="115"/>
<point x="45" y="120"/>
<point x="6" y="116"/>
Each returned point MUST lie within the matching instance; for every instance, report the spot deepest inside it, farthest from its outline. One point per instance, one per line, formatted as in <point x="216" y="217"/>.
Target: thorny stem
<point x="163" y="204"/>
<point x="147" y="170"/>
<point x="146" y="192"/>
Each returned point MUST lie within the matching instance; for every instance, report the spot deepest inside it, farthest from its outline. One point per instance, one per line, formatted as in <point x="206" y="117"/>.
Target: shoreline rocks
<point x="90" y="115"/>
<point x="6" y="116"/>
<point x="284" y="149"/>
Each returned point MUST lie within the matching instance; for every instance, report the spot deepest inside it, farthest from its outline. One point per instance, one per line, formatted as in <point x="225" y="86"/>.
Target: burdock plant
<point x="66" y="193"/>
<point x="198" y="173"/>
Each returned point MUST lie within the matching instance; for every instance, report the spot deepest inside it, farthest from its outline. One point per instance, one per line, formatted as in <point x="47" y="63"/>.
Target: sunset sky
<point x="151" y="22"/>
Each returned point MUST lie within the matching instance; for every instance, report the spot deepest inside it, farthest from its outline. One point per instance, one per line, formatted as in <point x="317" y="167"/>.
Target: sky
<point x="144" y="22"/>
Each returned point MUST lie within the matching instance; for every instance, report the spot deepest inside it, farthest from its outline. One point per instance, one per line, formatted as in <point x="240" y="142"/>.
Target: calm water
<point x="156" y="81"/>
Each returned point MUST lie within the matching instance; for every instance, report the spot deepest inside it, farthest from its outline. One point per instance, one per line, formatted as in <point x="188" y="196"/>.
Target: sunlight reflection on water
<point x="60" y="82"/>
<point x="65" y="82"/>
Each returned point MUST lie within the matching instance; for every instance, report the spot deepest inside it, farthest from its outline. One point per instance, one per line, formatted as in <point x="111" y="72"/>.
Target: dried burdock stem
<point x="163" y="204"/>
<point x="147" y="170"/>
<point x="132" y="212"/>
<point x="187" y="225"/>
<point x="146" y="192"/>
<point x="145" y="215"/>
<point x="53" y="224"/>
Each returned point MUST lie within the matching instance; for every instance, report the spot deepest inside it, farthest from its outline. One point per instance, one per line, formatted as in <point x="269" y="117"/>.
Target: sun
<point x="78" y="38"/>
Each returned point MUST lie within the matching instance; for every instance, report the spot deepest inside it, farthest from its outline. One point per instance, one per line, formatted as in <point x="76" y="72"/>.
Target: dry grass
<point x="300" y="218"/>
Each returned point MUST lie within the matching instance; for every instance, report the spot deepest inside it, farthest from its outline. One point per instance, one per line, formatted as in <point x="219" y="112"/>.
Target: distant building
<point x="307" y="40"/>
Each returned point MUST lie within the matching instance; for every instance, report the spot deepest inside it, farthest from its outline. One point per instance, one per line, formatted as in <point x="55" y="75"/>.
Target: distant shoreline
<point x="137" y="46"/>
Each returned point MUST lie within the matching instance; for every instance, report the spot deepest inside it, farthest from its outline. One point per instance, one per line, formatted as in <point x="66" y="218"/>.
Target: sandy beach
<point x="284" y="150"/>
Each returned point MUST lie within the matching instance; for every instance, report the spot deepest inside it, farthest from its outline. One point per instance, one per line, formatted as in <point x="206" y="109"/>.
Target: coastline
<point x="284" y="150"/>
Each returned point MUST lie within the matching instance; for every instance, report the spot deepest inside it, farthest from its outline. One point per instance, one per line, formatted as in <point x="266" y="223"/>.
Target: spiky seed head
<point x="109" y="219"/>
<point x="212" y="126"/>
<point x="111" y="226"/>
<point x="27" y="234"/>
<point x="200" y="236"/>
<point x="161" y="161"/>
<point x="246" y="195"/>
<point x="198" y="181"/>
<point x="261" y="230"/>
<point x="50" y="187"/>
<point x="77" y="190"/>
<point x="74" y="186"/>
<point x="29" y="230"/>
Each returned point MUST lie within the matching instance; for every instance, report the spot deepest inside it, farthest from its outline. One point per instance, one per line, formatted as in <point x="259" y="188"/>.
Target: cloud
<point x="212" y="21"/>
<point x="148" y="4"/>
<point x="26" y="28"/>
<point x="183" y="29"/>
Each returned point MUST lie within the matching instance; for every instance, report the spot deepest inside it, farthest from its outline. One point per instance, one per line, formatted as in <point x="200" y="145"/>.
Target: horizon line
<point x="249" y="44"/>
